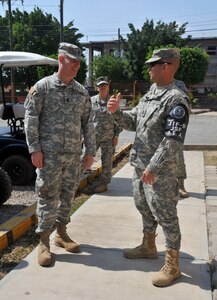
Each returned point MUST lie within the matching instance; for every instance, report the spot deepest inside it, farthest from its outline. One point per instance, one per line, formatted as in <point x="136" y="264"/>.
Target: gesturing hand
<point x="113" y="103"/>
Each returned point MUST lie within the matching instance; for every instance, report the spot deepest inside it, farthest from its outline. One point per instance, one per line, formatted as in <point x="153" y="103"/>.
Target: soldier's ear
<point x="61" y="58"/>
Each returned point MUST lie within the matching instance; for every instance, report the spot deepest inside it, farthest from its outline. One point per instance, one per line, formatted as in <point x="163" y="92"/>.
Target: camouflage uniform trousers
<point x="56" y="185"/>
<point x="106" y="157"/>
<point x="181" y="172"/>
<point x="157" y="205"/>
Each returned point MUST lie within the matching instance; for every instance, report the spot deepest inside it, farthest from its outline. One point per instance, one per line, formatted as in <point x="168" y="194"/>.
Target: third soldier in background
<point x="106" y="131"/>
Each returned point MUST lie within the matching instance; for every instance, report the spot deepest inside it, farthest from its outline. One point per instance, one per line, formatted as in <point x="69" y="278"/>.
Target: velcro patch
<point x="178" y="112"/>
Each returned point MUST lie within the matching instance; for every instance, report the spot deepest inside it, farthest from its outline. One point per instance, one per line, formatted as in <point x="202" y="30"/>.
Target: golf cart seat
<point x="6" y="111"/>
<point x="14" y="114"/>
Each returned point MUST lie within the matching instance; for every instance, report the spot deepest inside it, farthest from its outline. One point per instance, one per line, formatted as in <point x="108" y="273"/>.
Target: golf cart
<point x="14" y="156"/>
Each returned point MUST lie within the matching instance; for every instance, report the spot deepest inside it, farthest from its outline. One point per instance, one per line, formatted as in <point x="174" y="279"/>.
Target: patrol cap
<point x="102" y="80"/>
<point x="163" y="54"/>
<point x="70" y="50"/>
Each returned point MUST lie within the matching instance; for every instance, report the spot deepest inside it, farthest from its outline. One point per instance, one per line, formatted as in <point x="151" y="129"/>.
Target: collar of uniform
<point x="101" y="100"/>
<point x="59" y="82"/>
<point x="163" y="87"/>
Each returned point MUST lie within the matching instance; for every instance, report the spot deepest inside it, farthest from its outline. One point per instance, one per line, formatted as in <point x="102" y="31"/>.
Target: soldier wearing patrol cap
<point x="181" y="167"/>
<point x="160" y="120"/>
<point x="58" y="108"/>
<point x="106" y="131"/>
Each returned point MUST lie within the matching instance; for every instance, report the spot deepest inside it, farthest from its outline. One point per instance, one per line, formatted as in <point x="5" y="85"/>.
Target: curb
<point x="196" y="111"/>
<point x="200" y="147"/>
<point x="18" y="225"/>
<point x="211" y="214"/>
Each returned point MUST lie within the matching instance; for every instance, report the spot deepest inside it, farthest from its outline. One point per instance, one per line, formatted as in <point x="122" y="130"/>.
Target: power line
<point x="207" y="29"/>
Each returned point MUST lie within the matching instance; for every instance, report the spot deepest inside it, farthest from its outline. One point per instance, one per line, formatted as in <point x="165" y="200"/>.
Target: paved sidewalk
<point x="104" y="225"/>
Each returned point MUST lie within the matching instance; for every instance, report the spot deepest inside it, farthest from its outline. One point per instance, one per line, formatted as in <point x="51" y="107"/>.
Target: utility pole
<point x="119" y="43"/>
<point x="61" y="22"/>
<point x="11" y="48"/>
<point x="10" y="25"/>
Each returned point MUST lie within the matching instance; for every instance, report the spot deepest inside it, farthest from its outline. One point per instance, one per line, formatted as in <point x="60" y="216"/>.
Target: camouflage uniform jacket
<point x="180" y="84"/>
<point x="152" y="148"/>
<point x="55" y="116"/>
<point x="104" y="124"/>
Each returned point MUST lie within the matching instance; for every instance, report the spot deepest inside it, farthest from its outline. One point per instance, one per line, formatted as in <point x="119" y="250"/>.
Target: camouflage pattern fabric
<point x="159" y="154"/>
<point x="55" y="116"/>
<point x="181" y="85"/>
<point x="105" y="129"/>
<point x="182" y="174"/>
<point x="181" y="168"/>
<point x="157" y="205"/>
<point x="56" y="184"/>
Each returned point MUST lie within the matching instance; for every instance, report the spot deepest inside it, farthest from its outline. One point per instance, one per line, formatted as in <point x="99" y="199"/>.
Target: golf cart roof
<point x="24" y="59"/>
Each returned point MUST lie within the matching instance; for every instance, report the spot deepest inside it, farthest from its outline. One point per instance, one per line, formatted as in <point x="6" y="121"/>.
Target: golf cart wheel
<point x="5" y="186"/>
<point x="20" y="169"/>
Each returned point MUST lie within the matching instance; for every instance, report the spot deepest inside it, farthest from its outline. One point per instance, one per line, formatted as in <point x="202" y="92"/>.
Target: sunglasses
<point x="152" y="64"/>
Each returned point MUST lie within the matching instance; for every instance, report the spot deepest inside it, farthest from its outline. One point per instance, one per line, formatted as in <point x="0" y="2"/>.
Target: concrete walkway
<point x="104" y="225"/>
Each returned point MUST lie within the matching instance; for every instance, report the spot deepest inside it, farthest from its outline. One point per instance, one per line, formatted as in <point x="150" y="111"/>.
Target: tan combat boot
<point x="44" y="255"/>
<point x="170" y="270"/>
<point x="147" y="249"/>
<point x="182" y="191"/>
<point x="63" y="240"/>
<point x="101" y="188"/>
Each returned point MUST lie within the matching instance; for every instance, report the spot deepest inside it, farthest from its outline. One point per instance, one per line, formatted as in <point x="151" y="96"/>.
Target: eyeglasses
<point x="152" y="64"/>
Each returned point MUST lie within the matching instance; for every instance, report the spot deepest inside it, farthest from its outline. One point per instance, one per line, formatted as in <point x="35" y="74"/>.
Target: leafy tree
<point x="194" y="65"/>
<point x="10" y="21"/>
<point x="81" y="76"/>
<point x="109" y="65"/>
<point x="139" y="42"/>
<point x="37" y="32"/>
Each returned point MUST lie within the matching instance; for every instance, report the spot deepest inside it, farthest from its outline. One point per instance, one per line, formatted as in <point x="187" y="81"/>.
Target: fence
<point x="129" y="90"/>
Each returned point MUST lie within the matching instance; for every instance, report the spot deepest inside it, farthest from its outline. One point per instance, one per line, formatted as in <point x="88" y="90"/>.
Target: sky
<point x="100" y="20"/>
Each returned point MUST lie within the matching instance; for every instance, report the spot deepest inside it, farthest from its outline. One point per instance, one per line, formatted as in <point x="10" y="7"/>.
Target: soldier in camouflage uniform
<point x="160" y="121"/>
<point x="181" y="172"/>
<point x="107" y="132"/>
<point x="57" y="109"/>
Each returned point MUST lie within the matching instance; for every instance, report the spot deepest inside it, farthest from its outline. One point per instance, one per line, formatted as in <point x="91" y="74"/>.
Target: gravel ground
<point x="22" y="197"/>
